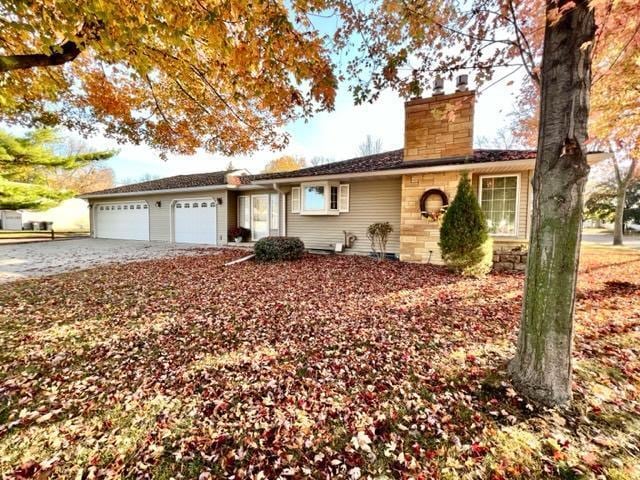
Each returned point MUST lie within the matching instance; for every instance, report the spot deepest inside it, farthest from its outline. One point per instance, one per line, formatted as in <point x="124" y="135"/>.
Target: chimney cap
<point x="462" y="83"/>
<point x="438" y="86"/>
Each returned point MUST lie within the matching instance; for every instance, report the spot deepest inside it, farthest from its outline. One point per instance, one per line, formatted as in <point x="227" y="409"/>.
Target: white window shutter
<point x="343" y="198"/>
<point x="295" y="200"/>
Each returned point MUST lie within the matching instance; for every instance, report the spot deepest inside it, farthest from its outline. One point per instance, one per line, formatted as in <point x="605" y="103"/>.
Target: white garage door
<point x="194" y="221"/>
<point x="122" y="220"/>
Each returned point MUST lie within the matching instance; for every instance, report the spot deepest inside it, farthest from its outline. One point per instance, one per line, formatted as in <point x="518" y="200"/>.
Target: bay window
<point x="320" y="198"/>
<point x="499" y="199"/>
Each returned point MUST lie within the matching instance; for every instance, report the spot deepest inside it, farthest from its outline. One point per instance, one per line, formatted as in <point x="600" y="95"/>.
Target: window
<point x="125" y="207"/>
<point x="320" y="198"/>
<point x="130" y="207"/>
<point x="203" y="204"/>
<point x="499" y="200"/>
<point x="138" y="207"/>
<point x="186" y="205"/>
<point x="101" y="208"/>
<point x="244" y="212"/>
<point x="178" y="205"/>
<point x="333" y="202"/>
<point x="274" y="205"/>
<point x="313" y="198"/>
<point x="145" y="206"/>
<point x="195" y="205"/>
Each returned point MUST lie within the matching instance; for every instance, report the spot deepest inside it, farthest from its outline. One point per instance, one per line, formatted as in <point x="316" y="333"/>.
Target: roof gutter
<point x="592" y="158"/>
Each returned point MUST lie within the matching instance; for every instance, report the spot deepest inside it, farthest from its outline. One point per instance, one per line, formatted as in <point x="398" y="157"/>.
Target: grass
<point x="327" y="367"/>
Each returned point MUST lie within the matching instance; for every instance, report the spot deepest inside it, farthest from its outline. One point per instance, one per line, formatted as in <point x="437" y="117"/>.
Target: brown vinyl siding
<point x="370" y="201"/>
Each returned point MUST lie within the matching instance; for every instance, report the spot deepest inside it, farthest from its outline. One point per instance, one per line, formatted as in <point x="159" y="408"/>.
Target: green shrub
<point x="378" y="235"/>
<point x="273" y="249"/>
<point x="464" y="236"/>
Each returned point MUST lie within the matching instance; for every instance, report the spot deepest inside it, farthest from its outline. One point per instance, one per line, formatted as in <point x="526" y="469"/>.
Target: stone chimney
<point x="440" y="126"/>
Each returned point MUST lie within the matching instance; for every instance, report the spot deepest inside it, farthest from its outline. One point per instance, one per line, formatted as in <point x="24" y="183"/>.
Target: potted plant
<point x="238" y="234"/>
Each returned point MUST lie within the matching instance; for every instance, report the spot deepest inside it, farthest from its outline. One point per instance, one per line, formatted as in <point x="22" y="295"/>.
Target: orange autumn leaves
<point x="224" y="76"/>
<point x="327" y="367"/>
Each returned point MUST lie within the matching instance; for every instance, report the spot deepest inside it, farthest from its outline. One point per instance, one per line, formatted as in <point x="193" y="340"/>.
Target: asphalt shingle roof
<point x="170" y="183"/>
<point x="392" y="160"/>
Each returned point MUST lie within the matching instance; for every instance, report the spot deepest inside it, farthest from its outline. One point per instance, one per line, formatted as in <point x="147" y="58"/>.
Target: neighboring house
<point x="71" y="215"/>
<point x="322" y="204"/>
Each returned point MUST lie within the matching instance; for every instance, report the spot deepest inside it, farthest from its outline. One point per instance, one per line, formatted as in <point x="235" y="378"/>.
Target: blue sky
<point x="334" y="134"/>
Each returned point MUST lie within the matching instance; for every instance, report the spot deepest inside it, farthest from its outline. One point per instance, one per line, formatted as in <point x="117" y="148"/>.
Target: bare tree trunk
<point x="541" y="368"/>
<point x="618" y="225"/>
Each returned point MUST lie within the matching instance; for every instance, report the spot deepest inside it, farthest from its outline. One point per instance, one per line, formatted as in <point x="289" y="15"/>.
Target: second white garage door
<point x="194" y="221"/>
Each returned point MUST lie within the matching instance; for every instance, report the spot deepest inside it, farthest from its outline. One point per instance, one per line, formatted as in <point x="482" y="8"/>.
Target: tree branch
<point x="158" y="107"/>
<point x="67" y="52"/>
<point x="523" y="46"/>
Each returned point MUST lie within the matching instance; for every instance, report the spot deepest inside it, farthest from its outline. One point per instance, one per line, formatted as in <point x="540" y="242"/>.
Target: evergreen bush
<point x="273" y="249"/>
<point x="464" y="236"/>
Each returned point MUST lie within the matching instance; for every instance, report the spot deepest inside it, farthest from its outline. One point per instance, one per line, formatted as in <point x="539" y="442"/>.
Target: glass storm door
<point x="259" y="216"/>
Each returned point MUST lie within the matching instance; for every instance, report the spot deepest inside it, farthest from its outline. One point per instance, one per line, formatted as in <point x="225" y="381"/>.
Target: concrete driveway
<point x="30" y="260"/>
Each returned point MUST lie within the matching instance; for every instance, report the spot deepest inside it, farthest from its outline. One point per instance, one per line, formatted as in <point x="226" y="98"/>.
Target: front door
<point x="259" y="216"/>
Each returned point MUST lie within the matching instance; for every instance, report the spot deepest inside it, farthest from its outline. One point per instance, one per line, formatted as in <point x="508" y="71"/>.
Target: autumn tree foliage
<point x="223" y="76"/>
<point x="30" y="170"/>
<point x="90" y="177"/>
<point x="614" y="195"/>
<point x="614" y="122"/>
<point x="285" y="163"/>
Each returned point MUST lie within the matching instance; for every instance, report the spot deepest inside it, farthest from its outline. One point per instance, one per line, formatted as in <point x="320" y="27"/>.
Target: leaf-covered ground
<point x="326" y="367"/>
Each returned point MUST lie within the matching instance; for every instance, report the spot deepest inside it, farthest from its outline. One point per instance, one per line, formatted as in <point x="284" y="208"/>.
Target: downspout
<point x="283" y="196"/>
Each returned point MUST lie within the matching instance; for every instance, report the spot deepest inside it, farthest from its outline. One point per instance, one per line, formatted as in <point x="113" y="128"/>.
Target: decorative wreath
<point x="433" y="215"/>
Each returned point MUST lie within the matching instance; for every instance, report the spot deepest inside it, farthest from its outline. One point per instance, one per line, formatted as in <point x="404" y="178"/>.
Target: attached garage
<point x="122" y="220"/>
<point x="194" y="221"/>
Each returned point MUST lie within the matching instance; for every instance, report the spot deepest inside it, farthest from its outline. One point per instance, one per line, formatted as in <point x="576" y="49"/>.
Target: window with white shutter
<point x="295" y="200"/>
<point x="343" y="198"/>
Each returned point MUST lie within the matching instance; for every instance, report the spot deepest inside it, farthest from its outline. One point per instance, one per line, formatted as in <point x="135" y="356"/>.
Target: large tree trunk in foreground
<point x="541" y="369"/>
<point x="618" y="224"/>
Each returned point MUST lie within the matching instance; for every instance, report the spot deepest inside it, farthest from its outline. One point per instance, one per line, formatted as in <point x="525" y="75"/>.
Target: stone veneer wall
<point x="418" y="236"/>
<point x="506" y="259"/>
<point x="439" y="127"/>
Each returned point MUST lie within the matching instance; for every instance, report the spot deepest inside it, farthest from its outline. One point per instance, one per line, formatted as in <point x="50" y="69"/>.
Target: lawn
<point x="331" y="366"/>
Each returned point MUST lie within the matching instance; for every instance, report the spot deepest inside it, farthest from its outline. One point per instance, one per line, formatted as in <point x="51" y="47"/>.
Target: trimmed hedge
<point x="274" y="249"/>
